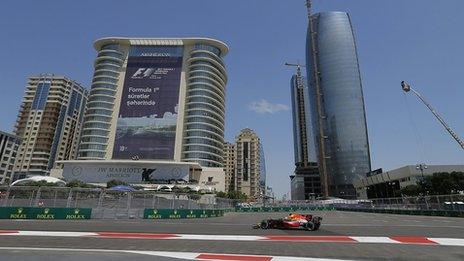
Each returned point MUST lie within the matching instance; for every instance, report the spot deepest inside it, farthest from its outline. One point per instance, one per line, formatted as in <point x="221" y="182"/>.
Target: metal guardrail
<point x="106" y="203"/>
<point x="427" y="203"/>
<point x="446" y="213"/>
<point x="434" y="204"/>
<point x="110" y="204"/>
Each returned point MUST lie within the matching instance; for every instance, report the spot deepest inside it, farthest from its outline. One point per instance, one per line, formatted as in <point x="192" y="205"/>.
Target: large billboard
<point x="133" y="173"/>
<point x="147" y="120"/>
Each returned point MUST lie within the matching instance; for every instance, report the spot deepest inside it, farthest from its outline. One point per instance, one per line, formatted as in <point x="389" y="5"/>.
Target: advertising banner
<point x="284" y="209"/>
<point x="150" y="213"/>
<point x="147" y="120"/>
<point x="134" y="173"/>
<point x="44" y="213"/>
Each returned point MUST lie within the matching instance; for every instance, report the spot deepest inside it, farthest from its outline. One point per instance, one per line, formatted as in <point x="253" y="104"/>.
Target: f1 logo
<point x="142" y="73"/>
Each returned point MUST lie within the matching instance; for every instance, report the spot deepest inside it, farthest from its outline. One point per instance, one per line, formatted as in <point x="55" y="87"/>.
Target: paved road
<point x="334" y="223"/>
<point x="51" y="255"/>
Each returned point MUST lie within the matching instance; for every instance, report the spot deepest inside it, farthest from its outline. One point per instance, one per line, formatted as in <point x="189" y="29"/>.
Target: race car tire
<point x="316" y="227"/>
<point x="310" y="226"/>
<point x="264" y="224"/>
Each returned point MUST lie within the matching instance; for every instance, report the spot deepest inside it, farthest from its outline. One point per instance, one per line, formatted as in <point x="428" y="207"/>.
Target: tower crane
<point x="406" y="88"/>
<point x="298" y="68"/>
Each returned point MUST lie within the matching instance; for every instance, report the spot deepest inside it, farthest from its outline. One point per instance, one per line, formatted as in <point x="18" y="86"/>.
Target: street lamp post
<point x="421" y="167"/>
<point x="390" y="187"/>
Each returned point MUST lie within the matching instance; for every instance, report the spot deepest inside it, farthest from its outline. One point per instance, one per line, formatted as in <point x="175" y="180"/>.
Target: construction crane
<point x="321" y="118"/>
<point x="406" y="88"/>
<point x="301" y="113"/>
<point x="298" y="70"/>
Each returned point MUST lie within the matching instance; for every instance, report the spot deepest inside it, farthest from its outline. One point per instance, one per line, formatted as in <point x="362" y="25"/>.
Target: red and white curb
<point x="181" y="255"/>
<point x="283" y="238"/>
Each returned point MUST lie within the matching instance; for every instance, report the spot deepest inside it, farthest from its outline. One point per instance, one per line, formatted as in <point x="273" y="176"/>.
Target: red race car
<point x="292" y="221"/>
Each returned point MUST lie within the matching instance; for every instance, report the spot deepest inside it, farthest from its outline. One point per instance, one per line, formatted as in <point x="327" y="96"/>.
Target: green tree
<point x="237" y="195"/>
<point x="114" y="183"/>
<point x="79" y="184"/>
<point x="443" y="183"/>
<point x="440" y="183"/>
<point x="232" y="195"/>
<point x="411" y="190"/>
<point x="221" y="194"/>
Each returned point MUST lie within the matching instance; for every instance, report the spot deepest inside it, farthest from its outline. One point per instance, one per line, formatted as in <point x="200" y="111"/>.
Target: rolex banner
<point x="44" y="213"/>
<point x="150" y="213"/>
<point x="285" y="209"/>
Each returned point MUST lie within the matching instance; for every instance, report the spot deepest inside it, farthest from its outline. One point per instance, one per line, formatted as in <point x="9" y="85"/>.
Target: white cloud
<point x="263" y="107"/>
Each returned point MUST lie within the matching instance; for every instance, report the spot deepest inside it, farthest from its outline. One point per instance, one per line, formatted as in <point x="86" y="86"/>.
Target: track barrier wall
<point x="284" y="209"/>
<point x="150" y="213"/>
<point x="44" y="213"/>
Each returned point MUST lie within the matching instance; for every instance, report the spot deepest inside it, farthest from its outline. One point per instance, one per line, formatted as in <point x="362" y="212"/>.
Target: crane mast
<point x="298" y="71"/>
<point x="321" y="141"/>
<point x="406" y="88"/>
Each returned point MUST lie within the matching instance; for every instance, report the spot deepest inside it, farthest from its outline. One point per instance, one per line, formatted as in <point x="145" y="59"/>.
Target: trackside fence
<point x="432" y="205"/>
<point x="436" y="205"/>
<point x="80" y="203"/>
<point x="110" y="204"/>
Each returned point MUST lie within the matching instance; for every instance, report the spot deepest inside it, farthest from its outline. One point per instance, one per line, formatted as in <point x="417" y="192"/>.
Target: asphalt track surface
<point x="335" y="223"/>
<point x="33" y="255"/>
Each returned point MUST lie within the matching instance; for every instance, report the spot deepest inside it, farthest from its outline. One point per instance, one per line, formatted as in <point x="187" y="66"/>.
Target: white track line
<point x="179" y="255"/>
<point x="385" y="240"/>
<point x="54" y="234"/>
<point x="221" y="237"/>
<point x="448" y="241"/>
<point x="262" y="238"/>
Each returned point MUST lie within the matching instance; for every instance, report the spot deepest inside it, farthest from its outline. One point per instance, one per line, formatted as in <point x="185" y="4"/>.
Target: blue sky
<point x="416" y="40"/>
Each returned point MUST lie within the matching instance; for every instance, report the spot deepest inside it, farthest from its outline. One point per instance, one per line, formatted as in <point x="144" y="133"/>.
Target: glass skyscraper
<point x="337" y="103"/>
<point x="303" y="143"/>
<point x="305" y="183"/>
<point x="157" y="99"/>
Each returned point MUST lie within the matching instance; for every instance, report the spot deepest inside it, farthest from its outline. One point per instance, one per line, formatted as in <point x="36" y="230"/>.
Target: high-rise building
<point x="49" y="123"/>
<point x="305" y="181"/>
<point x="248" y="157"/>
<point x="9" y="145"/>
<point x="337" y="103"/>
<point x="229" y="165"/>
<point x="155" y="113"/>
<point x="303" y="145"/>
<point x="262" y="169"/>
<point x="157" y="99"/>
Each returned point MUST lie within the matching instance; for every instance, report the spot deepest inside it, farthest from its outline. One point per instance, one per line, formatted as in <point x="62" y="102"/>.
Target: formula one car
<point x="292" y="221"/>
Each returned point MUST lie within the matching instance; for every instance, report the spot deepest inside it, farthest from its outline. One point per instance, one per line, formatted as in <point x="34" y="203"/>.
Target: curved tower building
<point x="337" y="103"/>
<point x="205" y="105"/>
<point x="157" y="99"/>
